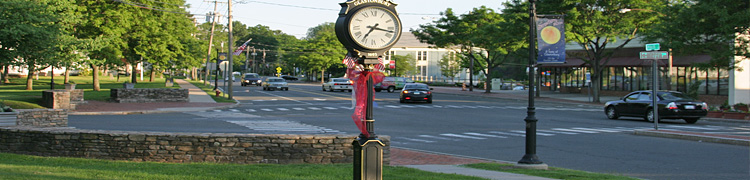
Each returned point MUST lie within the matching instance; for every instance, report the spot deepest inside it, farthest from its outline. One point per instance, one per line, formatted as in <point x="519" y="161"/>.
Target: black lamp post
<point x="530" y="157"/>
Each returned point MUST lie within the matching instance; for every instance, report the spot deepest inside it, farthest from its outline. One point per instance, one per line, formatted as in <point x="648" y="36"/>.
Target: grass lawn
<point x="223" y="98"/>
<point x="14" y="166"/>
<point x="552" y="172"/>
<point x="16" y="89"/>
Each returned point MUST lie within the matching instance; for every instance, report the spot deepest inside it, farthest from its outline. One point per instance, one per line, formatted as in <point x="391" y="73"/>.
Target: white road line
<point x="437" y="106"/>
<point x="485" y="135"/>
<point x="330" y="108"/>
<point x="573" y="130"/>
<point x="250" y="110"/>
<point x="424" y="106"/>
<point x="299" y="109"/>
<point x="452" y="106"/>
<point x="319" y="99"/>
<point x="486" y="107"/>
<point x="266" y="110"/>
<point x="437" y="137"/>
<point x="505" y="133"/>
<point x="392" y="106"/>
<point x="417" y="140"/>
<point x="234" y="110"/>
<point x="537" y="133"/>
<point x="461" y="136"/>
<point x="589" y="129"/>
<point x="282" y="109"/>
<point x="313" y="108"/>
<point x="559" y="132"/>
<point x="285" y="98"/>
<point x="217" y="110"/>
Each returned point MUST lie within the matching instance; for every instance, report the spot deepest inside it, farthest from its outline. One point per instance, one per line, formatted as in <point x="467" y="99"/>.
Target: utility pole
<point x="210" y="41"/>
<point x="231" y="75"/>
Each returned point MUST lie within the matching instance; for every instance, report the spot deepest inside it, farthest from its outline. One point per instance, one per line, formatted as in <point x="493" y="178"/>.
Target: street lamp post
<point x="530" y="159"/>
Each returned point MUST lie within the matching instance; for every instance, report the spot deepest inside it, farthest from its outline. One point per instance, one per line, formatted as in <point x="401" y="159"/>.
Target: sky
<point x="295" y="17"/>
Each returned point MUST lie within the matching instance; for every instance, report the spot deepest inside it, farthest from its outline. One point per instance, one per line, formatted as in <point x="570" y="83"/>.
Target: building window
<point x="421" y="55"/>
<point x="388" y="55"/>
<point x="422" y="70"/>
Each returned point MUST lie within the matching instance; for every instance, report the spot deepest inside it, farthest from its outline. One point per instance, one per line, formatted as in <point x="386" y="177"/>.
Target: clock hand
<point x="372" y="28"/>
<point x="381" y="29"/>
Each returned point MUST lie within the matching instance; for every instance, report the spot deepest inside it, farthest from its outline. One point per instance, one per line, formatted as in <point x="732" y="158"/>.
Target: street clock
<point x="368" y="28"/>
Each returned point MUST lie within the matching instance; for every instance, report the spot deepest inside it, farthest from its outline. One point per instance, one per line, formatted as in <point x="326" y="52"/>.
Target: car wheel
<point x="324" y="88"/>
<point x="612" y="113"/>
<point x="391" y="88"/>
<point x="649" y="116"/>
<point x="429" y="101"/>
<point x="377" y="90"/>
<point x="330" y="89"/>
<point x="401" y="100"/>
<point x="691" y="120"/>
<point x="264" y="88"/>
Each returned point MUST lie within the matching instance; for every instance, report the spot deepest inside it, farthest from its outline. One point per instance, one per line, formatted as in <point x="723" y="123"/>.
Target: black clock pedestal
<point x="368" y="151"/>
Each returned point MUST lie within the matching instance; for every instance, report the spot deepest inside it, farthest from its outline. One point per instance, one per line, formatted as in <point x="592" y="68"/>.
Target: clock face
<point x="374" y="27"/>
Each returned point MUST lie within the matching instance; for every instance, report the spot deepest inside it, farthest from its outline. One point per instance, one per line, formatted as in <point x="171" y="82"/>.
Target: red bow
<point x="360" y="90"/>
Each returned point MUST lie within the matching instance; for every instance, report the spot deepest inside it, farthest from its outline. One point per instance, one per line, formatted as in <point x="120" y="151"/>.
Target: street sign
<point x="652" y="47"/>
<point x="654" y="55"/>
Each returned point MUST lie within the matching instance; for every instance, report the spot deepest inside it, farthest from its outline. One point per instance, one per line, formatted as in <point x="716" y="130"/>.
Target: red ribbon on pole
<point x="359" y="77"/>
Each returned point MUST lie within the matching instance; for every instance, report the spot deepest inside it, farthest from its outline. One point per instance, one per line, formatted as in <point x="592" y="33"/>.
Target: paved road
<point x="570" y="135"/>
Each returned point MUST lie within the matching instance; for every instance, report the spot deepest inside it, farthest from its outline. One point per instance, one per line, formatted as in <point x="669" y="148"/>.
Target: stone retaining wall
<point x="181" y="147"/>
<point x="145" y="95"/>
<point x="42" y="117"/>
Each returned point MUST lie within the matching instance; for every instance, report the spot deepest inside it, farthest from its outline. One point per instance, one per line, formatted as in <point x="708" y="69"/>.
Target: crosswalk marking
<point x="461" y="136"/>
<point x="559" y="132"/>
<point x="509" y="134"/>
<point x="692" y="127"/>
<point x="436" y="137"/>
<point x="485" y="135"/>
<point x="217" y="110"/>
<point x="282" y="109"/>
<point x="234" y="110"/>
<point x="573" y="130"/>
<point x="250" y="110"/>
<point x="313" y="108"/>
<point x="266" y="109"/>
<point x="589" y="129"/>
<point x="299" y="109"/>
<point x="402" y="106"/>
<point x="538" y="133"/>
<point x="330" y="108"/>
<point x="418" y="140"/>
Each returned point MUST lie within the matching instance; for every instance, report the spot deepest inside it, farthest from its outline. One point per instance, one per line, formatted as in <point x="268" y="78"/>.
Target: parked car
<point x="392" y="83"/>
<point x="251" y="78"/>
<point x="671" y="104"/>
<point x="273" y="83"/>
<point x="340" y="84"/>
<point x="289" y="78"/>
<point x="416" y="92"/>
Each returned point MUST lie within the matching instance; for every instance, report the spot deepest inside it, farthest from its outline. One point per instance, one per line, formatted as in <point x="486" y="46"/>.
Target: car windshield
<point x="674" y="96"/>
<point x="251" y="76"/>
<point x="275" y="80"/>
<point x="417" y="86"/>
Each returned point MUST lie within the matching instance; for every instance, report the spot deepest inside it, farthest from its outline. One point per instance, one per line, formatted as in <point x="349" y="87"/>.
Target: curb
<point x="693" y="136"/>
<point x="160" y="110"/>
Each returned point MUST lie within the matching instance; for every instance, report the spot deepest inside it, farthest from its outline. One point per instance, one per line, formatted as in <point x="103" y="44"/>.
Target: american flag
<point x="380" y="66"/>
<point x="349" y="61"/>
<point x="241" y="48"/>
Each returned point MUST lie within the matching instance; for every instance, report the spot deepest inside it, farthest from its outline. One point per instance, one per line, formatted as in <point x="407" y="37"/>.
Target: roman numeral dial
<point x="374" y="27"/>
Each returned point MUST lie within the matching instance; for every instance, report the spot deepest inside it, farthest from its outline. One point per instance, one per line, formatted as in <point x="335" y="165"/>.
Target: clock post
<point x="367" y="28"/>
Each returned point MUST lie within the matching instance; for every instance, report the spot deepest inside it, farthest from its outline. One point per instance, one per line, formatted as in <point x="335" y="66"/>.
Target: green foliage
<point x="692" y="90"/>
<point x="449" y="65"/>
<point x="552" y="172"/>
<point x="705" y="27"/>
<point x="405" y="65"/>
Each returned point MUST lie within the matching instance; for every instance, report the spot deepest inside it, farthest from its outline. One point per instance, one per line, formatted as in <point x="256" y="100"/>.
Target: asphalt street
<point x="575" y="136"/>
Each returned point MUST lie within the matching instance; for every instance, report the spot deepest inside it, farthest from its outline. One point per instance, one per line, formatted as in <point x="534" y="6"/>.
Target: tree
<point x="597" y="24"/>
<point x="489" y="38"/>
<point x="713" y="28"/>
<point x="404" y="64"/>
<point x="328" y="51"/>
<point x="449" y="65"/>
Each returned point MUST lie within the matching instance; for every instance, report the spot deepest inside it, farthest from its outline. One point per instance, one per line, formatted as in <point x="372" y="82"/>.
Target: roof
<point x="410" y="41"/>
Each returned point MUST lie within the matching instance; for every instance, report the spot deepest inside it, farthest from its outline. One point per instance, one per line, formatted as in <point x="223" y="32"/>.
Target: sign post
<point x="654" y="56"/>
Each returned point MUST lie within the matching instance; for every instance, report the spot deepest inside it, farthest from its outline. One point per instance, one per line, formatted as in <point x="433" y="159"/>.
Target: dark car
<point x="416" y="92"/>
<point x="289" y="78"/>
<point x="250" y="78"/>
<point x="672" y="105"/>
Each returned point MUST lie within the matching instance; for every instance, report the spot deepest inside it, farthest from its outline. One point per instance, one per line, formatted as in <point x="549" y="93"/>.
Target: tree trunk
<point x="67" y="76"/>
<point x="4" y="78"/>
<point x="133" y="78"/>
<point x="487" y="80"/>
<point x="30" y="80"/>
<point x="595" y="83"/>
<point x="95" y="78"/>
<point x="322" y="76"/>
<point x="151" y="75"/>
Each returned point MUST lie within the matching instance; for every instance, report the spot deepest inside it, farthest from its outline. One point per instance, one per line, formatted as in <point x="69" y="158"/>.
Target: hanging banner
<point x="550" y="35"/>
